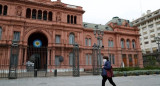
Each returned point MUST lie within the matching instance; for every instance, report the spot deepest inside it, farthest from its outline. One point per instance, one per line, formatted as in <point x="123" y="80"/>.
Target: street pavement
<point x="143" y="80"/>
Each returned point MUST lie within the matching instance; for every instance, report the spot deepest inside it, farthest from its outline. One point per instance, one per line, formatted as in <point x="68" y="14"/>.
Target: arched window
<point x="122" y="43"/>
<point x="128" y="43"/>
<point x="68" y="18"/>
<point x="34" y="12"/>
<point x="86" y="41"/>
<point x="89" y="42"/>
<point x="50" y="16"/>
<point x="71" y="38"/>
<point x="0" y="33"/>
<point x="71" y="19"/>
<point x="28" y="13"/>
<point x="5" y="10"/>
<point x="75" y="19"/>
<point x="71" y="59"/>
<point x="0" y="9"/>
<point x="44" y="15"/>
<point x="110" y="43"/>
<point x="39" y="14"/>
<point x="133" y="44"/>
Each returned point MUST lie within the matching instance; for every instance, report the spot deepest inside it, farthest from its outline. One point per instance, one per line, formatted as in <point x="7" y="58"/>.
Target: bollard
<point x="147" y="73"/>
<point x="137" y="73"/>
<point x="125" y="74"/>
<point x="35" y="72"/>
<point x="55" y="72"/>
<point x="156" y="72"/>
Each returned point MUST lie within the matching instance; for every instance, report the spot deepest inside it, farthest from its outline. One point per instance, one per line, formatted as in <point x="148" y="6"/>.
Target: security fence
<point x="151" y="60"/>
<point x="23" y="61"/>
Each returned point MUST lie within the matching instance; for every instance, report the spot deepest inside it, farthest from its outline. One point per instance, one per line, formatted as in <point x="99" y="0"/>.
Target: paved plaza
<point x="143" y="80"/>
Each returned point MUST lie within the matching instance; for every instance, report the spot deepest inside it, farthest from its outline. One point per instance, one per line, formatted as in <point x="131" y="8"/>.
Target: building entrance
<point x="37" y="50"/>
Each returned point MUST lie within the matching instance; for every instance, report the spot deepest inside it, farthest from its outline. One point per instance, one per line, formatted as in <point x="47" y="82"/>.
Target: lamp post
<point x="99" y="35"/>
<point x="95" y="60"/>
<point x="157" y="39"/>
<point x="76" y="71"/>
<point x="13" y="60"/>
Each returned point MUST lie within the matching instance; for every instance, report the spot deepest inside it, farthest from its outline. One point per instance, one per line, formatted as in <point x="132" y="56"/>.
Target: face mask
<point x="104" y="60"/>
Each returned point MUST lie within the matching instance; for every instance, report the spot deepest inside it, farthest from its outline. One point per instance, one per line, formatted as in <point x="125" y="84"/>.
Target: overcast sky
<point x="101" y="11"/>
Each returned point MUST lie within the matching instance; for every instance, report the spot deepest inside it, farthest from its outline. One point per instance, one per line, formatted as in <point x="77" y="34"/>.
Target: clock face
<point x="37" y="43"/>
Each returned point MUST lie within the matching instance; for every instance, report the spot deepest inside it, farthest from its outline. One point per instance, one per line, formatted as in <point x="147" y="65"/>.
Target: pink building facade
<point x="57" y="26"/>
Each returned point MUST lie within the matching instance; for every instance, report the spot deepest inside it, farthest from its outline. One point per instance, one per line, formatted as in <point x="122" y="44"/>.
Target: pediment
<point x="58" y="4"/>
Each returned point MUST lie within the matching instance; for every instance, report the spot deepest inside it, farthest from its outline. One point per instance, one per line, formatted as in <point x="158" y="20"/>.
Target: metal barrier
<point x="32" y="62"/>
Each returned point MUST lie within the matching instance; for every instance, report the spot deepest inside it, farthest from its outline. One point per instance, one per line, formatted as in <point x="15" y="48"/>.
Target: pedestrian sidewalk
<point x="143" y="80"/>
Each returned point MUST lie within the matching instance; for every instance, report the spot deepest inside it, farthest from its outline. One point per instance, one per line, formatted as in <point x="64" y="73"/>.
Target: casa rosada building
<point x="57" y="26"/>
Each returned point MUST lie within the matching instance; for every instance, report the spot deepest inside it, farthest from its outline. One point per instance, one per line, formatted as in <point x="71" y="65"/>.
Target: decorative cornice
<point x="54" y="5"/>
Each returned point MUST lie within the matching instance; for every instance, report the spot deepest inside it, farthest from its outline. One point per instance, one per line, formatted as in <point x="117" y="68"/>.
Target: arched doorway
<point x="37" y="50"/>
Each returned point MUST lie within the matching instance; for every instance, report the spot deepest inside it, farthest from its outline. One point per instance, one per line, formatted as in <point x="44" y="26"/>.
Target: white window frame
<point x="57" y="63"/>
<point x="58" y="39"/>
<point x="89" y="42"/>
<point x="70" y="59"/>
<point x="111" y="43"/>
<point x="122" y="43"/>
<point x="16" y="36"/>
<point x="133" y="44"/>
<point x="128" y="44"/>
<point x="86" y="41"/>
<point x="90" y="59"/>
<point x="71" y="38"/>
<point x="112" y="58"/>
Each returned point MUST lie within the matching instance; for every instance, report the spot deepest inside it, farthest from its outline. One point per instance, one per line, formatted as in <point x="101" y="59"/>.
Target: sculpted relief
<point x="58" y="17"/>
<point x="125" y="23"/>
<point x="19" y="11"/>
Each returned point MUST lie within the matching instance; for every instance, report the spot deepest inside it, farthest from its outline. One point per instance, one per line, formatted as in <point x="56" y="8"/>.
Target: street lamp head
<point x="95" y="46"/>
<point x="96" y="26"/>
<point x="102" y="32"/>
<point x="98" y="32"/>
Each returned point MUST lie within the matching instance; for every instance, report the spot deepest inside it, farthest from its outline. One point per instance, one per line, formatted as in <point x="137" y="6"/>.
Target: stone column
<point x="2" y="9"/>
<point x="48" y="57"/>
<point x="25" y="56"/>
<point x="20" y="56"/>
<point x="133" y="60"/>
<point x="127" y="60"/>
<point x="140" y="60"/>
<point x="42" y="15"/>
<point x="53" y="58"/>
<point x="62" y="54"/>
<point x="31" y="14"/>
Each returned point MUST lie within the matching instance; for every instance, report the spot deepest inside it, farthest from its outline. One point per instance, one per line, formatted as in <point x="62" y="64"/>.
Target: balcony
<point x="158" y="25"/>
<point x="59" y="45"/>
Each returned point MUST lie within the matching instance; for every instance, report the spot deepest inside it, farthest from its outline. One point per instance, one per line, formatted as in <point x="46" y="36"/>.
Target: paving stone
<point x="142" y="80"/>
